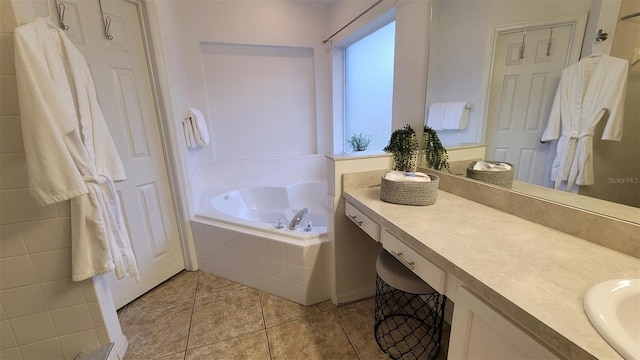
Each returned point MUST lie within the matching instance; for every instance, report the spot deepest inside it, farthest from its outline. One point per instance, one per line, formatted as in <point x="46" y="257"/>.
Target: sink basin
<point x="613" y="307"/>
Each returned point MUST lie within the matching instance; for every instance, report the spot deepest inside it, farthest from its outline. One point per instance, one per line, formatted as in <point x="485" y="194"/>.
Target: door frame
<point x="578" y="23"/>
<point x="174" y="159"/>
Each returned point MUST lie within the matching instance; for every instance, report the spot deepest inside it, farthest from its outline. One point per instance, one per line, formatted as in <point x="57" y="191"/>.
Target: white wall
<point x="461" y="50"/>
<point x="354" y="252"/>
<point x="298" y="25"/>
<point x="618" y="163"/>
<point x="43" y="314"/>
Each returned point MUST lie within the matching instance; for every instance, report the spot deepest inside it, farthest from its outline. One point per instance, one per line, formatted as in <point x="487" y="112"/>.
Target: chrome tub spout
<point x="293" y="225"/>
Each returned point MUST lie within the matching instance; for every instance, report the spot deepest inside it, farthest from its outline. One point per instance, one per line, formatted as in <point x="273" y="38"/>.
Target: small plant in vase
<point x="404" y="146"/>
<point x="360" y="141"/>
<point x="435" y="155"/>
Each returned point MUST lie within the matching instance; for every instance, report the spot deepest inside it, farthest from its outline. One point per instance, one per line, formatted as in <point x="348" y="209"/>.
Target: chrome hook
<point x="524" y="36"/>
<point x="107" y="23"/>
<point x="61" y="8"/>
<point x="550" y="42"/>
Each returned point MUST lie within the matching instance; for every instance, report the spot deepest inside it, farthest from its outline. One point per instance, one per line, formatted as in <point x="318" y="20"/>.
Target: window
<point x="368" y="90"/>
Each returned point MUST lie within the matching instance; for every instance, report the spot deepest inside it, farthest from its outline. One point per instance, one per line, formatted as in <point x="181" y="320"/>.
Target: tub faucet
<point x="293" y="225"/>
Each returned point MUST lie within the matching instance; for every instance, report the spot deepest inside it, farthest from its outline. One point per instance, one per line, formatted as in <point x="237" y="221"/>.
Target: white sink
<point x="613" y="307"/>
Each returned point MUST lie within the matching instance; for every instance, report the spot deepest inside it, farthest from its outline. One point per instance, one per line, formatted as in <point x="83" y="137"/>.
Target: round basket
<point x="418" y="193"/>
<point x="500" y="178"/>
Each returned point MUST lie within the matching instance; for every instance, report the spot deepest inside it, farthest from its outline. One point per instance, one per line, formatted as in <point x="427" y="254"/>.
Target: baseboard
<point x="119" y="349"/>
<point x="355" y="295"/>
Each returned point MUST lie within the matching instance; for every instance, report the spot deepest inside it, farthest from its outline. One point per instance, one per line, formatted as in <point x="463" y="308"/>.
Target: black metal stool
<point x="408" y="314"/>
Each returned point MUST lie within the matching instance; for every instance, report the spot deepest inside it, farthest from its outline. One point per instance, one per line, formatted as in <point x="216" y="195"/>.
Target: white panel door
<point x="123" y="81"/>
<point x="523" y="86"/>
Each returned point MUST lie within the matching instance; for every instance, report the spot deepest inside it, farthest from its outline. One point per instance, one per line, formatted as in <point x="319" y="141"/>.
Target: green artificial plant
<point x="404" y="146"/>
<point x="435" y="155"/>
<point x="360" y="141"/>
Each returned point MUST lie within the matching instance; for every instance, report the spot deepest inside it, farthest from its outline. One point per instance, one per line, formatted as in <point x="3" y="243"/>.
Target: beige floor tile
<point x="181" y="287"/>
<point x="178" y="356"/>
<point x="225" y="316"/>
<point x="277" y="310"/>
<point x="317" y="336"/>
<point x="251" y="346"/>
<point x="357" y="319"/>
<point x="211" y="285"/>
<point x="157" y="333"/>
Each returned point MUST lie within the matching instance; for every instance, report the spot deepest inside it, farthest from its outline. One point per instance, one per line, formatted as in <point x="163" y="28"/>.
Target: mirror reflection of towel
<point x="448" y="116"/>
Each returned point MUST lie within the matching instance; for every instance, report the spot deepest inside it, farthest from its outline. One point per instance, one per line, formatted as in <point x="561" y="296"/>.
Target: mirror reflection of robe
<point x="69" y="151"/>
<point x="588" y="89"/>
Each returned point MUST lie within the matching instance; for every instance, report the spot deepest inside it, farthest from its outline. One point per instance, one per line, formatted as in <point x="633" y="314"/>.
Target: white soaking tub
<point x="235" y="237"/>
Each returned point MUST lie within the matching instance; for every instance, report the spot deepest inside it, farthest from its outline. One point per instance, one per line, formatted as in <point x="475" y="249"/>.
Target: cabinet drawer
<point x="366" y="224"/>
<point x="428" y="272"/>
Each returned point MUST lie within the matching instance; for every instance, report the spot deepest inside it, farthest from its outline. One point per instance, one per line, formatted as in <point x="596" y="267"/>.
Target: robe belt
<point x="97" y="179"/>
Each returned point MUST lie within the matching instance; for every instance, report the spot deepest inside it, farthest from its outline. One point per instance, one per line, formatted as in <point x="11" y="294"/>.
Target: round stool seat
<point x="394" y="273"/>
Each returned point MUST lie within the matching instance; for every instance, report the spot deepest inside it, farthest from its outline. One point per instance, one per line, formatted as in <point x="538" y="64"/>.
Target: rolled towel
<point x="406" y="176"/>
<point x="485" y="166"/>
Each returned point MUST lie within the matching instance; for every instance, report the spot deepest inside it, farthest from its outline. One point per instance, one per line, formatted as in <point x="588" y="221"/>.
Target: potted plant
<point x="435" y="155"/>
<point x="404" y="146"/>
<point x="360" y="141"/>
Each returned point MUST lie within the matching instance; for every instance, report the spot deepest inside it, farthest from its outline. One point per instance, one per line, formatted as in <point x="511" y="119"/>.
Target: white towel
<point x="483" y="165"/>
<point x="436" y="115"/>
<point x="448" y="116"/>
<point x="394" y="175"/>
<point x="200" y="129"/>
<point x="456" y="116"/>
<point x="189" y="137"/>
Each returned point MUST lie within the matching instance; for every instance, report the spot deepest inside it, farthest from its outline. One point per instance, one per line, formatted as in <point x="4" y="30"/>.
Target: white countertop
<point x="533" y="274"/>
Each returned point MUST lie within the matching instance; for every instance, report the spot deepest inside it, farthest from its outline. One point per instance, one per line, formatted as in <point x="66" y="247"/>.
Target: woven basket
<point x="419" y="193"/>
<point x="500" y="178"/>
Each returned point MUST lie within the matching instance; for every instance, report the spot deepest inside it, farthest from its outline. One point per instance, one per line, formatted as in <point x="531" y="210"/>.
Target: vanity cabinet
<point x="363" y="221"/>
<point x="430" y="273"/>
<point x="480" y="332"/>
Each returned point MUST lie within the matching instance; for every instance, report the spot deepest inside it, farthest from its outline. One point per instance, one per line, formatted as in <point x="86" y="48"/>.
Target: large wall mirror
<point x="506" y="58"/>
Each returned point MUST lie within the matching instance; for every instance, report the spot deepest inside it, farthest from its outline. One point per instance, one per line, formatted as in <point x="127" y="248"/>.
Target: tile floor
<point x="195" y="315"/>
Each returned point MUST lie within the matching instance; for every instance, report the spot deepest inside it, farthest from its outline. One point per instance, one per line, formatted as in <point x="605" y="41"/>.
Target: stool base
<point x="408" y="326"/>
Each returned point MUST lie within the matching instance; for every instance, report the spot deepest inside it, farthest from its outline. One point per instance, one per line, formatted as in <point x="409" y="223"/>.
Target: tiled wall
<point x="296" y="270"/>
<point x="43" y="314"/>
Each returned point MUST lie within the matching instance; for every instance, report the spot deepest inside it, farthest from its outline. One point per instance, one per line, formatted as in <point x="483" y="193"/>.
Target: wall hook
<point x="61" y="8"/>
<point x="107" y="23"/>
<point x="550" y="43"/>
<point x="601" y="36"/>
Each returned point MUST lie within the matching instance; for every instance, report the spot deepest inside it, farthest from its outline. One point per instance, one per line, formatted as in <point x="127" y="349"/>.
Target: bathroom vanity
<point x="517" y="285"/>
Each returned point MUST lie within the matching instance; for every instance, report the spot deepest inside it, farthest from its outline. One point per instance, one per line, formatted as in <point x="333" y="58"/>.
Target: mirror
<point x="463" y="36"/>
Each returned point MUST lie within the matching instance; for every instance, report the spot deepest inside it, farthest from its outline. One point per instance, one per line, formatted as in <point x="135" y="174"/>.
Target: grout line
<point x="346" y="334"/>
<point x="193" y="310"/>
<point x="264" y="322"/>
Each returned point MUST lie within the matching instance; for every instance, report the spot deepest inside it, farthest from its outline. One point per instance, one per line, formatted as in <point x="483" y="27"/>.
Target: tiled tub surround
<point x="533" y="274"/>
<point x="235" y="238"/>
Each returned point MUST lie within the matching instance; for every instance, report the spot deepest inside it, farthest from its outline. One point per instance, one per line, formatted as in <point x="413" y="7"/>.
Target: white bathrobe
<point x="588" y="90"/>
<point x="69" y="151"/>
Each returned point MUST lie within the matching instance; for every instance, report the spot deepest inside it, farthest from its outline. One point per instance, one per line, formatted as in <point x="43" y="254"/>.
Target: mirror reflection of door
<point x="526" y="72"/>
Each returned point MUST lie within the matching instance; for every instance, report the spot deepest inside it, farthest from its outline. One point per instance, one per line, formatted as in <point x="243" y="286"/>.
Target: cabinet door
<point x="480" y="332"/>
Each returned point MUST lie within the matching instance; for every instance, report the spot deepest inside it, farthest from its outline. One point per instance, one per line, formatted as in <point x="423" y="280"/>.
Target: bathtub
<point x="235" y="237"/>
